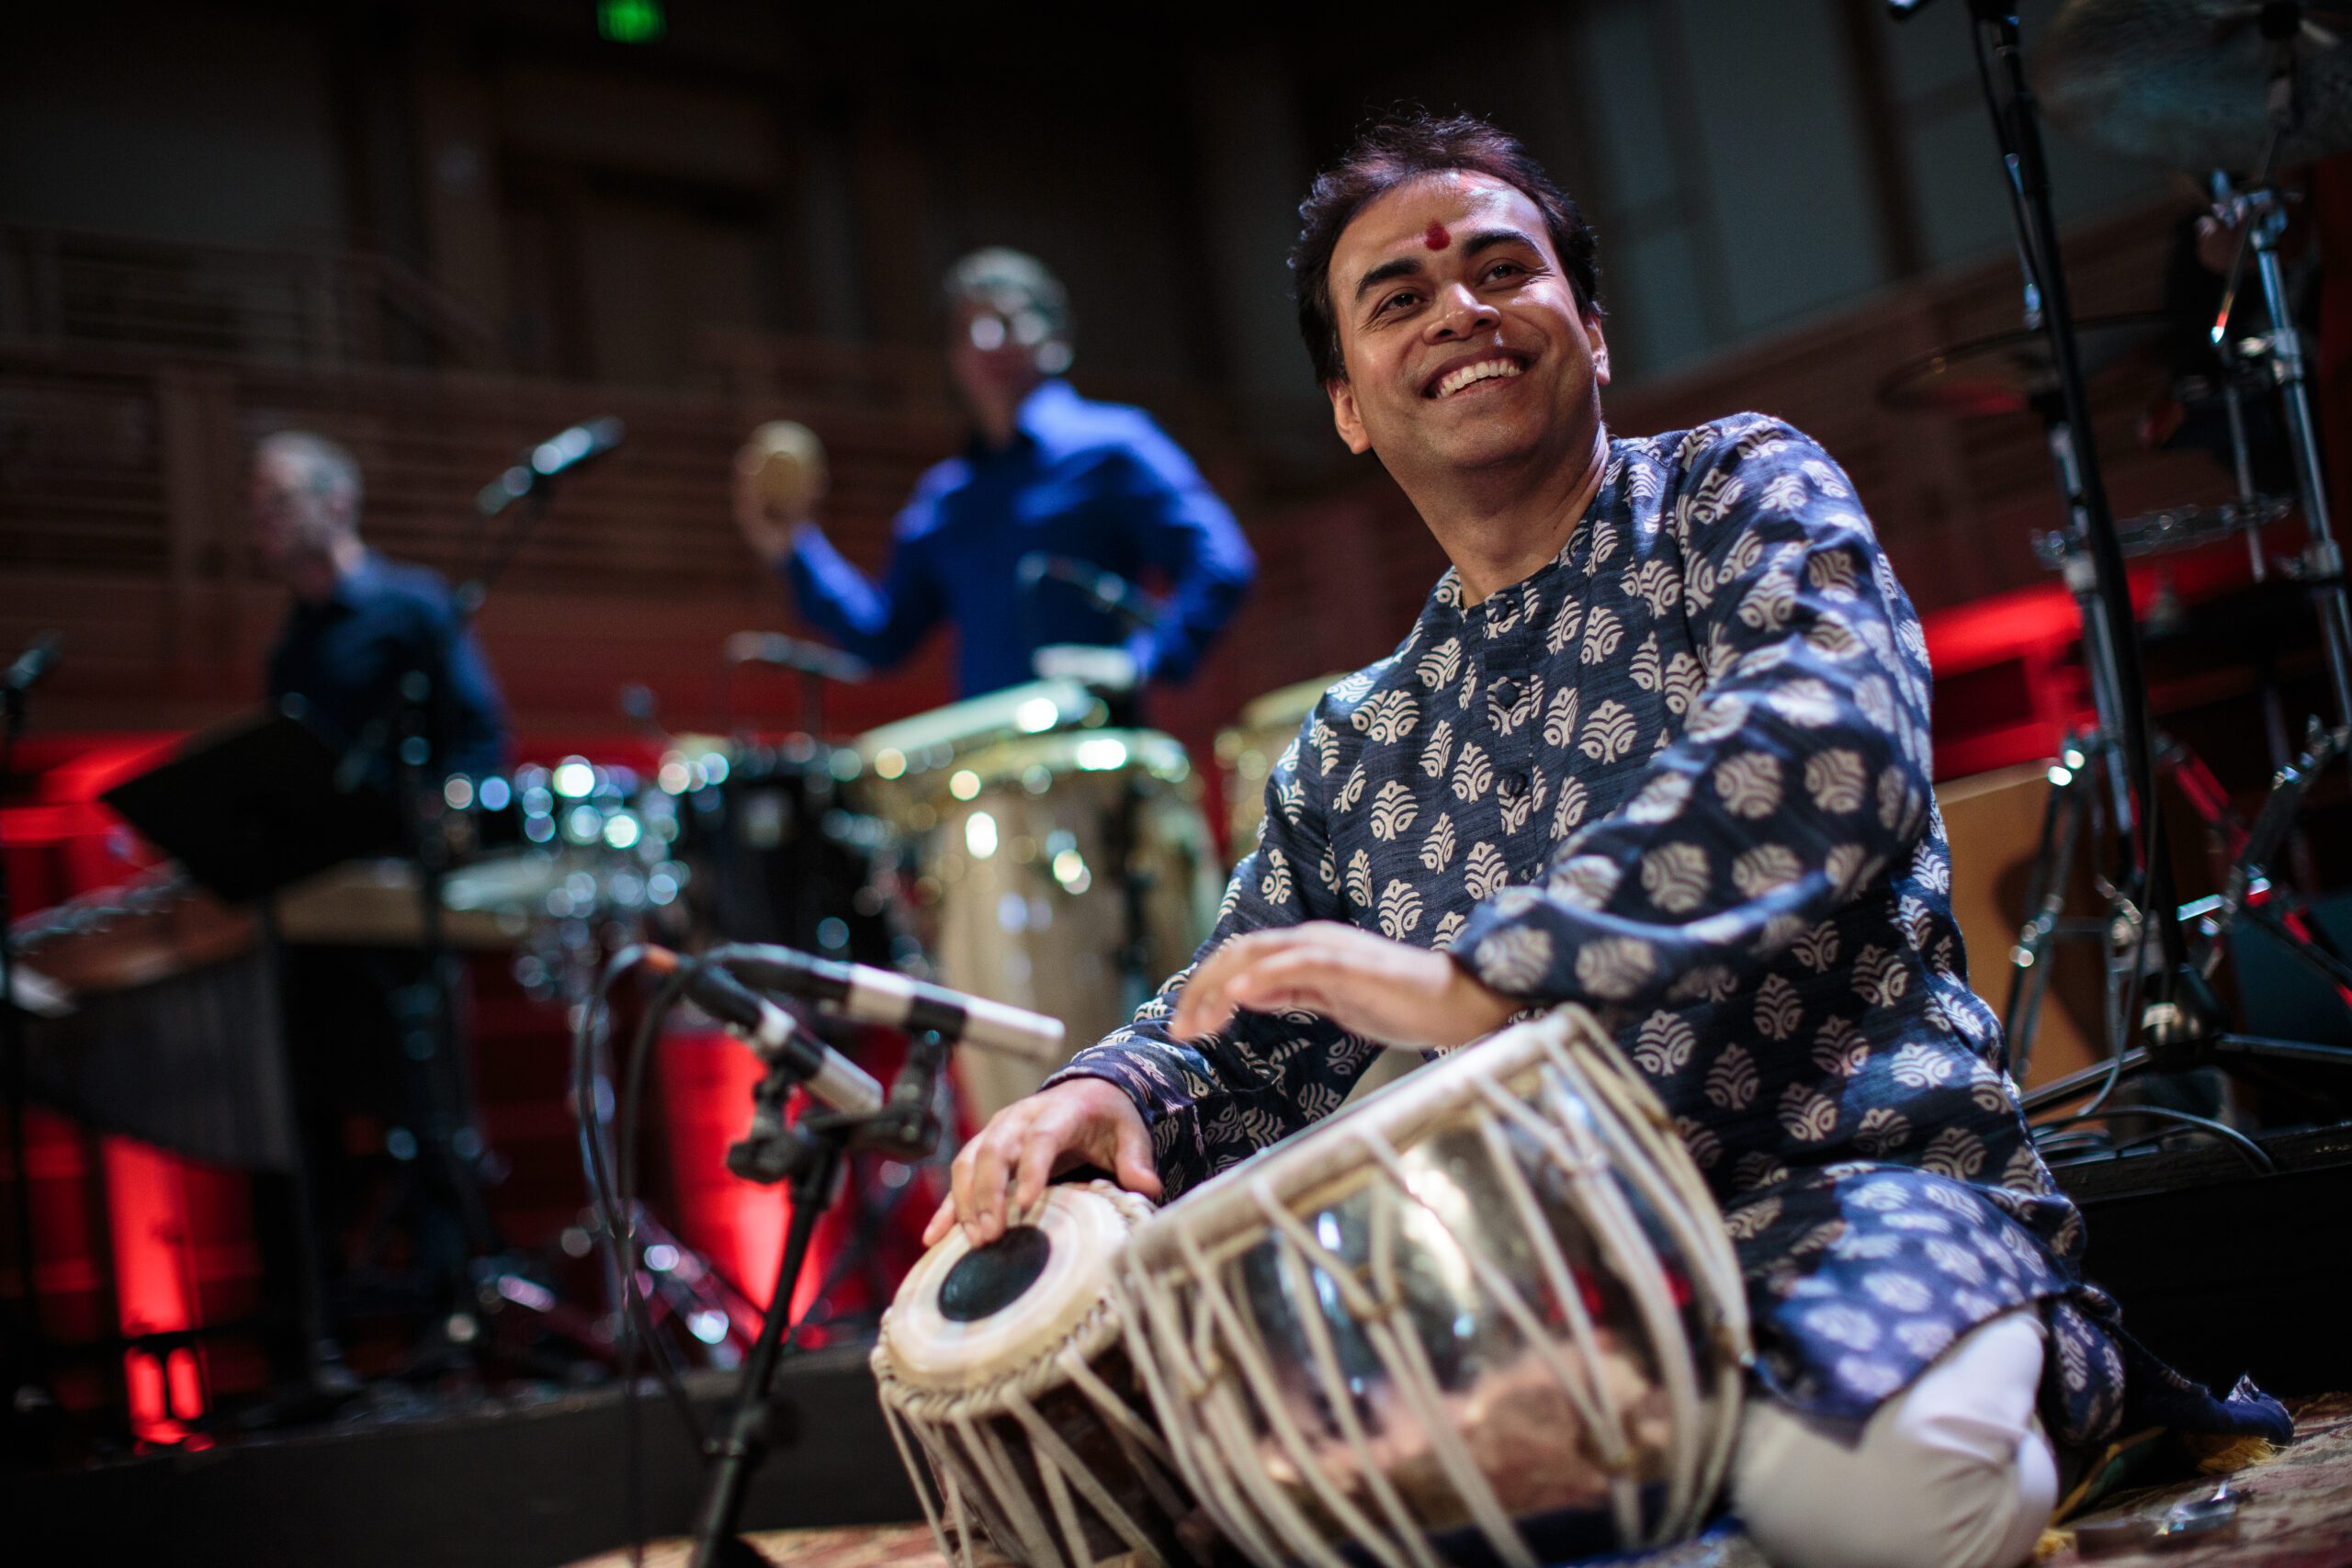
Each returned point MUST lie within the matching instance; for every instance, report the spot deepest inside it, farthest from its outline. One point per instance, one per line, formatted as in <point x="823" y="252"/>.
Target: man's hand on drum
<point x="1080" y="1122"/>
<point x="1370" y="986"/>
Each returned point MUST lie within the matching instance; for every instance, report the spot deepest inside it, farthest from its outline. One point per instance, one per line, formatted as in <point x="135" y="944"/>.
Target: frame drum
<point x="1489" y="1315"/>
<point x="1004" y="1366"/>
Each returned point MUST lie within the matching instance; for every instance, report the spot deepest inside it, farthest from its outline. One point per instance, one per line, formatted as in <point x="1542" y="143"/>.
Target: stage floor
<point x="2296" y="1513"/>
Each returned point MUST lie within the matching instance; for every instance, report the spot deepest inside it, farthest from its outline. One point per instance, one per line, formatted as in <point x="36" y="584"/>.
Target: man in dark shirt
<point x="1048" y="473"/>
<point x="359" y="623"/>
<point x="363" y="1022"/>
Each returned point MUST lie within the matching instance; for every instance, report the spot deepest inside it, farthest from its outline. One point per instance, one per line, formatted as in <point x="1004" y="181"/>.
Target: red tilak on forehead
<point x="1436" y="238"/>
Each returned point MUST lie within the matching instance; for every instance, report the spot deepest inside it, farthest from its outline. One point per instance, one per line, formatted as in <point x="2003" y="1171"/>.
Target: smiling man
<point x="1658" y="744"/>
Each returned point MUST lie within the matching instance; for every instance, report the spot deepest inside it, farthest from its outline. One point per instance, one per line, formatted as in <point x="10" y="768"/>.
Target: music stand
<point x="254" y="805"/>
<point x="249" y="808"/>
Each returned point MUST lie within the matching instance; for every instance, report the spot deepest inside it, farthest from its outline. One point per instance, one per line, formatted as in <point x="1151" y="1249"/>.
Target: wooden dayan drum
<point x="1004" y="1366"/>
<point x="1489" y="1313"/>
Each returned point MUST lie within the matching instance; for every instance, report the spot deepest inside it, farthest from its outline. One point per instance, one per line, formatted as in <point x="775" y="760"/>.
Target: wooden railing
<point x="301" y="306"/>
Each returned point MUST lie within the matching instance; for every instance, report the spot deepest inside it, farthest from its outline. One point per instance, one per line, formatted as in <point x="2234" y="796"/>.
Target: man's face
<point x="296" y="524"/>
<point x="992" y="351"/>
<point x="1464" y="343"/>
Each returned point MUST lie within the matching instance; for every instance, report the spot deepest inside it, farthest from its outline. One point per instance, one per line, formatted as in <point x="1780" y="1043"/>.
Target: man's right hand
<point x="769" y="536"/>
<point x="1081" y="1122"/>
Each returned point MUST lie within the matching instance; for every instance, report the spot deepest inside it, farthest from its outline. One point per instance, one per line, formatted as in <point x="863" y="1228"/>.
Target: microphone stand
<point x="2176" y="1008"/>
<point x="809" y="1156"/>
<point x="30" y="1389"/>
<point x="410" y="730"/>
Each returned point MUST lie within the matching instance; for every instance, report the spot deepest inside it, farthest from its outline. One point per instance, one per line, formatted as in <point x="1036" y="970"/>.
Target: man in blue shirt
<point x="359" y="623"/>
<point x="1048" y="474"/>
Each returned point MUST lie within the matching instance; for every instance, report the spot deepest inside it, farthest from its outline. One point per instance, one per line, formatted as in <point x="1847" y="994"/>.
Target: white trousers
<point x="1953" y="1473"/>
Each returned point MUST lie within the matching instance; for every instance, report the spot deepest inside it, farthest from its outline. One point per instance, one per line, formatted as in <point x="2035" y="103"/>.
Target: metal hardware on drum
<point x="1491" y="1313"/>
<point x="2106" y="65"/>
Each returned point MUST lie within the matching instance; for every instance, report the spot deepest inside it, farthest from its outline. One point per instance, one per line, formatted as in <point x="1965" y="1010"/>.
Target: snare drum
<point x="1004" y="1367"/>
<point x="1489" y="1315"/>
<point x="1069" y="874"/>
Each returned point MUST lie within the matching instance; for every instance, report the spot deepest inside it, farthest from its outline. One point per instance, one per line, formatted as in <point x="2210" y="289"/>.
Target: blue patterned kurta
<point x="1680" y="774"/>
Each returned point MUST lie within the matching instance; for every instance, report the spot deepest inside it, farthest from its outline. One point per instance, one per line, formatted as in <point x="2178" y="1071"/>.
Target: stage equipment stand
<point x="2179" y="1017"/>
<point x="246" y="812"/>
<point x="810" y="1154"/>
<point x="2049" y="307"/>
<point x="410" y="734"/>
<point x="29" y="1393"/>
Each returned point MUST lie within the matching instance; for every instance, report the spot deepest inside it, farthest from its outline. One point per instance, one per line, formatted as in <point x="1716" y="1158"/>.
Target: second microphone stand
<point x="809" y="1155"/>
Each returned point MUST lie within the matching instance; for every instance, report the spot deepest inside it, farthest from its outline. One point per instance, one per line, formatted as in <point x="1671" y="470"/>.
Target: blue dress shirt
<point x="343" y="655"/>
<point x="1098" y="483"/>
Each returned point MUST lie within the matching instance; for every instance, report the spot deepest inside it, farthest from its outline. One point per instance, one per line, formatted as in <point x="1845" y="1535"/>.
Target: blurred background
<point x="432" y="231"/>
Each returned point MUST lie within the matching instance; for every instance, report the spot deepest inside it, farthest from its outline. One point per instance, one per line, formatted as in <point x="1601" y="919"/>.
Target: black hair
<point x="1403" y="147"/>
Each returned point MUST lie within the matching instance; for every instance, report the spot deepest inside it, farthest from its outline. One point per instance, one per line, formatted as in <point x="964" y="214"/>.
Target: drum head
<point x="966" y="1318"/>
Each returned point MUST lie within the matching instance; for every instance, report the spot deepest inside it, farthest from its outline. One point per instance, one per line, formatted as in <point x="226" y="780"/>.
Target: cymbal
<point x="2184" y="83"/>
<point x="2006" y="373"/>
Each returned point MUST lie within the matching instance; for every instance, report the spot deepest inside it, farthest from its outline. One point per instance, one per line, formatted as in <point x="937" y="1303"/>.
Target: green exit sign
<point x="631" y="22"/>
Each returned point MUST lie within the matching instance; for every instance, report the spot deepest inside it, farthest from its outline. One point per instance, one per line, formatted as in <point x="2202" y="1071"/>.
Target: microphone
<point x="791" y="653"/>
<point x="549" y="460"/>
<point x="895" y="1001"/>
<point x="831" y="1079"/>
<point x="33" y="662"/>
<point x="1106" y="591"/>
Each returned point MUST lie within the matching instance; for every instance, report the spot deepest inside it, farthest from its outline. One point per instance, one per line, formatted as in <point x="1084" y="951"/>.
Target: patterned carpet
<point x="2296" y="1510"/>
<point x="2296" y="1513"/>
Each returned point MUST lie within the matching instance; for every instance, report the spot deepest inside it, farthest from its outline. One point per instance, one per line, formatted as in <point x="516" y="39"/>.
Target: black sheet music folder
<point x="253" y="806"/>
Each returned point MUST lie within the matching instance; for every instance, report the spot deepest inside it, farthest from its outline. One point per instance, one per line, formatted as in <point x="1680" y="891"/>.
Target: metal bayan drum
<point x="1489" y="1315"/>
<point x="1004" y="1365"/>
<point x="1072" y="874"/>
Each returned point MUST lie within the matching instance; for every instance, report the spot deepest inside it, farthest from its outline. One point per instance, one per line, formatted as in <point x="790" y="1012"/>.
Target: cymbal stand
<point x="2261" y="209"/>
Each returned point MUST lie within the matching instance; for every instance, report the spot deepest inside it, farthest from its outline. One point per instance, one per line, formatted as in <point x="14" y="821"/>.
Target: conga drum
<point x="1072" y="874"/>
<point x="1004" y="1367"/>
<point x="1489" y="1315"/>
<point x="1249" y="748"/>
<point x="906" y="770"/>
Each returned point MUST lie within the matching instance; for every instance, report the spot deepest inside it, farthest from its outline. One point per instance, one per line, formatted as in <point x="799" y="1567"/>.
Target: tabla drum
<point x="1248" y="750"/>
<point x="1004" y="1367"/>
<point x="1068" y="875"/>
<point x="1489" y="1314"/>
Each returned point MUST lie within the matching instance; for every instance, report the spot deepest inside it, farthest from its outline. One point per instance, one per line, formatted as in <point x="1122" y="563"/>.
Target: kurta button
<point x="1505" y="691"/>
<point x="1514" y="785"/>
